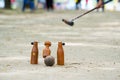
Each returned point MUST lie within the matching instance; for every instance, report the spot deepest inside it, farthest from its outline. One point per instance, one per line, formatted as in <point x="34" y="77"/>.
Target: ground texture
<point x="92" y="50"/>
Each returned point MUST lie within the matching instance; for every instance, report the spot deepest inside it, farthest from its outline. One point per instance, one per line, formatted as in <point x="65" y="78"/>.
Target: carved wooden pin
<point x="46" y="50"/>
<point x="34" y="53"/>
<point x="60" y="53"/>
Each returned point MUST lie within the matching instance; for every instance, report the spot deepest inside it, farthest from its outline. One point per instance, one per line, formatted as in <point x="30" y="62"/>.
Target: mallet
<point x="71" y="22"/>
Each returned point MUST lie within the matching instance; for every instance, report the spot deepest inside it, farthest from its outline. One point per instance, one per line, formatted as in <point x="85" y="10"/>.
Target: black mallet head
<point x="68" y="22"/>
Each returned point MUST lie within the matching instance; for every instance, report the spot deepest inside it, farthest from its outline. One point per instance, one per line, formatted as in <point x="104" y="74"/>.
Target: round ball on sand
<point x="49" y="61"/>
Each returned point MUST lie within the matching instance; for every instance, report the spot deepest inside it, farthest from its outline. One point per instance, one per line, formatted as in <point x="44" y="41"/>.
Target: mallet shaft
<point x="90" y="11"/>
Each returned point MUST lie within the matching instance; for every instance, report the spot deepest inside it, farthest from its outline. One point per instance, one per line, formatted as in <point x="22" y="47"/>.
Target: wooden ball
<point x="49" y="61"/>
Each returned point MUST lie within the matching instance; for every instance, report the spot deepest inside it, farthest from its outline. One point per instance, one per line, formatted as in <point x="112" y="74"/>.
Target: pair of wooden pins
<point x="47" y="52"/>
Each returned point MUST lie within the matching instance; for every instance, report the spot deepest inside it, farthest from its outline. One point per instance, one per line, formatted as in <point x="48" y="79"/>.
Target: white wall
<point x="2" y="4"/>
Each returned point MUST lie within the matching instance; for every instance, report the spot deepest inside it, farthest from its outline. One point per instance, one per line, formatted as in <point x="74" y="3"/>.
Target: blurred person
<point x="13" y="4"/>
<point x="78" y="2"/>
<point x="99" y="3"/>
<point x="7" y="4"/>
<point x="86" y="2"/>
<point x="32" y="5"/>
<point x="29" y="3"/>
<point x="42" y="3"/>
<point x="25" y="2"/>
<point x="50" y="5"/>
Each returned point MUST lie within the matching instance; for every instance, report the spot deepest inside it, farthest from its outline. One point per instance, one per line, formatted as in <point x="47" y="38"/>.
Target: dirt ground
<point x="92" y="50"/>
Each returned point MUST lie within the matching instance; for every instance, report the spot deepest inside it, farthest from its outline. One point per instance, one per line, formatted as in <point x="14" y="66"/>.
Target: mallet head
<point x="68" y="22"/>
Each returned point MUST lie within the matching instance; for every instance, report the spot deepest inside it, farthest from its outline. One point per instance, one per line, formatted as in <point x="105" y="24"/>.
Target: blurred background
<point x="59" y="4"/>
<point x="92" y="46"/>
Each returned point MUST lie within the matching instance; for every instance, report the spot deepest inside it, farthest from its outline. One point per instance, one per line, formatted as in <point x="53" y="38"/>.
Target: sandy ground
<point x="92" y="50"/>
